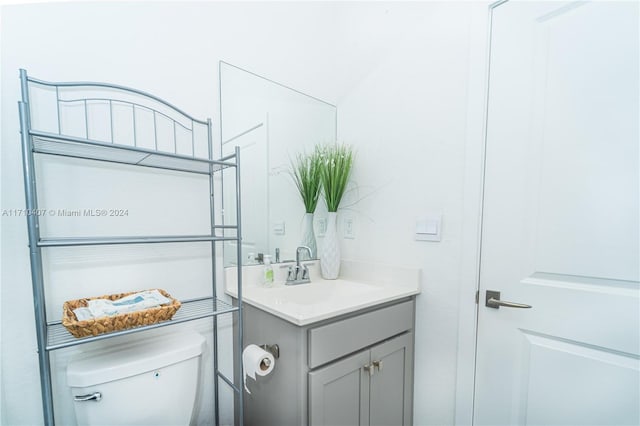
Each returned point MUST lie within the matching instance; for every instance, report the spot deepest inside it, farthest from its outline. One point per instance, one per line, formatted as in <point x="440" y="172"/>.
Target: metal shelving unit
<point x="51" y="335"/>
<point x="58" y="336"/>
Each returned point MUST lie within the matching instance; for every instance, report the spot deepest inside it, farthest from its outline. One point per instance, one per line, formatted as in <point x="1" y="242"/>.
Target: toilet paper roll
<point x="256" y="361"/>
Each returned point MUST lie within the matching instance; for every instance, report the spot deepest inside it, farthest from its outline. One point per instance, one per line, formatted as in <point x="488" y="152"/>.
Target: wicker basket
<point x="93" y="327"/>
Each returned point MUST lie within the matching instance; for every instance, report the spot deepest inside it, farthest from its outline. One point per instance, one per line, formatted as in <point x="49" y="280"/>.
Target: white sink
<point x="317" y="292"/>
<point x="321" y="299"/>
<point x="302" y="294"/>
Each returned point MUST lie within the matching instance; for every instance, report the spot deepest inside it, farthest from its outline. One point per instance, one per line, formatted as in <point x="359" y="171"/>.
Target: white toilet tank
<point x="151" y="382"/>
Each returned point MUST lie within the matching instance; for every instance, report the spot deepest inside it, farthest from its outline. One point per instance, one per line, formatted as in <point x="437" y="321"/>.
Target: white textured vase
<point x="330" y="256"/>
<point x="308" y="236"/>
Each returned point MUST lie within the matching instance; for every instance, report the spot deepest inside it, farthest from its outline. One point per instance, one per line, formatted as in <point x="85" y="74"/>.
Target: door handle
<point x="378" y="365"/>
<point x="492" y="300"/>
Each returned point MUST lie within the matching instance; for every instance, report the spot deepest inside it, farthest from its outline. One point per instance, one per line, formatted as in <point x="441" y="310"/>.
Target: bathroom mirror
<point x="271" y="123"/>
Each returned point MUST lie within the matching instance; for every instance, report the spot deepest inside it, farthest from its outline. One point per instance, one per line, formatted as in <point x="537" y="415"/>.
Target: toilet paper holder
<point x="272" y="349"/>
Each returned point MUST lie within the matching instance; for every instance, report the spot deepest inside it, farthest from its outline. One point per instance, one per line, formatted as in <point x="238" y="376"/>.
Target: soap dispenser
<point x="268" y="272"/>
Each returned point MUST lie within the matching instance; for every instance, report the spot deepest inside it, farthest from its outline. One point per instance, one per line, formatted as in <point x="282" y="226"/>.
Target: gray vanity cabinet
<point x="350" y="370"/>
<point x="391" y="389"/>
<point x="372" y="387"/>
<point x="339" y="393"/>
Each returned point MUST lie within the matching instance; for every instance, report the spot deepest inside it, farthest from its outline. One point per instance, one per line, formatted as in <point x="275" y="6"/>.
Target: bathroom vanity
<point x="345" y="349"/>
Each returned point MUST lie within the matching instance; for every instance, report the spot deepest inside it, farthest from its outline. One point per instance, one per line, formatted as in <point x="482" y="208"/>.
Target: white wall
<point x="398" y="73"/>
<point x="408" y="121"/>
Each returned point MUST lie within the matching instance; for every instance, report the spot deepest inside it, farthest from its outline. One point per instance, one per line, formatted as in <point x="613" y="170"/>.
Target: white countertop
<point x="360" y="285"/>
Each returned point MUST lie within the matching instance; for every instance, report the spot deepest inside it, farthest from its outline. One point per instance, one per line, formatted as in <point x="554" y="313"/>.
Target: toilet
<point x="151" y="382"/>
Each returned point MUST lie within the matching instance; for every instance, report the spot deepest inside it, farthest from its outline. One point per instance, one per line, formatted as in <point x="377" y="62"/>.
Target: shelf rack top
<point x="114" y="123"/>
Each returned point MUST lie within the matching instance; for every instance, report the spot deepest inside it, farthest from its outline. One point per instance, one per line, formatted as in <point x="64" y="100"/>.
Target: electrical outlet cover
<point x="349" y="228"/>
<point x="321" y="227"/>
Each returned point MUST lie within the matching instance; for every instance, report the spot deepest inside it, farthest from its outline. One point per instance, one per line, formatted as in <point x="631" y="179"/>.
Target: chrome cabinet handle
<point x="492" y="300"/>
<point x="369" y="368"/>
<point x="378" y="365"/>
<point x="96" y="396"/>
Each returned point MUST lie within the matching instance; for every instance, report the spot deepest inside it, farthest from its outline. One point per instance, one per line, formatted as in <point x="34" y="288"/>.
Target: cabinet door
<point x="391" y="386"/>
<point x="339" y="393"/>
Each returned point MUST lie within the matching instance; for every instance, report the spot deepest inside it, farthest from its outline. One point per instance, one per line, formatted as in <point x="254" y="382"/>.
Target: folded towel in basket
<point x="134" y="302"/>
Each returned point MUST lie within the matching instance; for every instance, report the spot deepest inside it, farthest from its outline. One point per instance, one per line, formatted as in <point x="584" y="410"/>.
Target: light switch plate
<point x="278" y="228"/>
<point x="429" y="228"/>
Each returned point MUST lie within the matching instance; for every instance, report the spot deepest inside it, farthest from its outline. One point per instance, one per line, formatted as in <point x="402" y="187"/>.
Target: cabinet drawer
<point x="340" y="338"/>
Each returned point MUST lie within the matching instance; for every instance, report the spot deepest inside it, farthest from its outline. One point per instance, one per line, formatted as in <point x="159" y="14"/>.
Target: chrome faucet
<point x="298" y="253"/>
<point x="299" y="274"/>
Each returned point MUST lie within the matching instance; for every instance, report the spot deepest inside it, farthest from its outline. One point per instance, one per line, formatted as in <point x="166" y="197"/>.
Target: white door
<point x="561" y="217"/>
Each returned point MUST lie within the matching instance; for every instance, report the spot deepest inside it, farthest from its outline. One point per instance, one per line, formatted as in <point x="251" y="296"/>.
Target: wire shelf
<point x="67" y="146"/>
<point x="58" y="336"/>
<point x="96" y="241"/>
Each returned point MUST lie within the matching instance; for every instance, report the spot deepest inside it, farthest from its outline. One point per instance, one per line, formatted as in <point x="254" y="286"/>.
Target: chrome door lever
<point x="492" y="300"/>
<point x="378" y="365"/>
